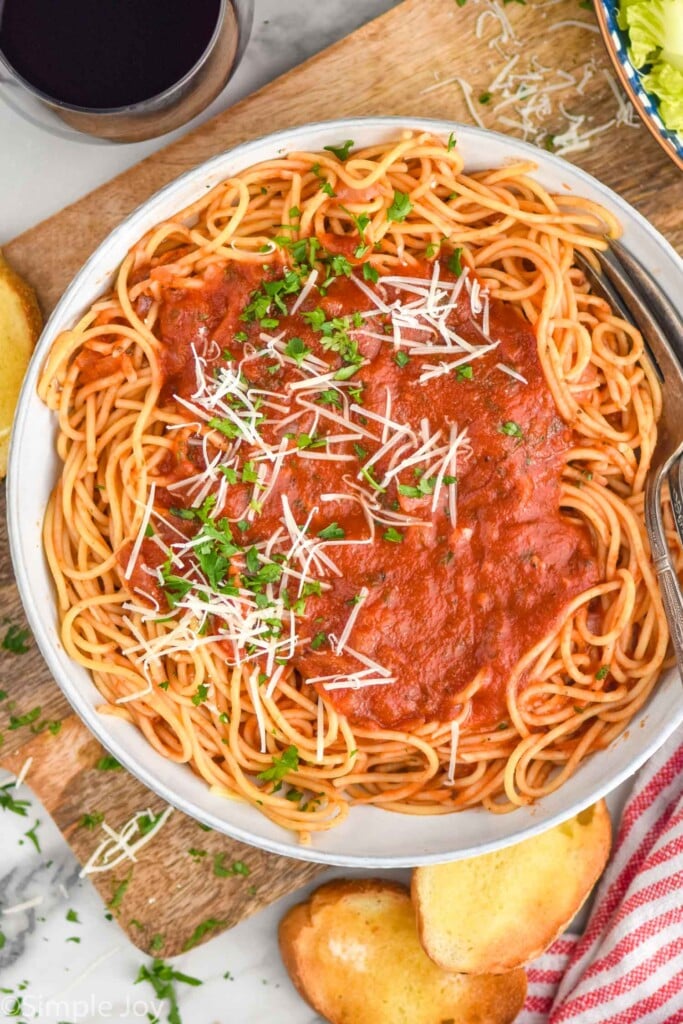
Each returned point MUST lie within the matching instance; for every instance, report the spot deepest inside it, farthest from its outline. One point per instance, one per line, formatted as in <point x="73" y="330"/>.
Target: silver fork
<point x="629" y="288"/>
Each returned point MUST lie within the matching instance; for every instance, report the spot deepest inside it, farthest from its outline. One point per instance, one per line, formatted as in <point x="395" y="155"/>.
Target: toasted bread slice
<point x="353" y="953"/>
<point x="20" y="325"/>
<point x="496" y="912"/>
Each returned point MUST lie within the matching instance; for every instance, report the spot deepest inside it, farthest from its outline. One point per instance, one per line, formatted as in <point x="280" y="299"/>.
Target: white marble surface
<point x="243" y="979"/>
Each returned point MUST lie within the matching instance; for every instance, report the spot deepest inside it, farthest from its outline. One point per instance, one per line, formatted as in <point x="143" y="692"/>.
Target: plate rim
<point x="96" y="723"/>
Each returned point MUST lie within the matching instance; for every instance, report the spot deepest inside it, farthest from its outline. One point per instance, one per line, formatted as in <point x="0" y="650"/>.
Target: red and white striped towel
<point x="627" y="967"/>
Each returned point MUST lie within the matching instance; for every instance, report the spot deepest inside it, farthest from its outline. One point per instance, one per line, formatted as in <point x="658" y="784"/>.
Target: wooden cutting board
<point x="383" y="68"/>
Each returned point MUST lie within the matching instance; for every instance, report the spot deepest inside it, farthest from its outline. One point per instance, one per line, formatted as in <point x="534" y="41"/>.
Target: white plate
<point x="369" y="837"/>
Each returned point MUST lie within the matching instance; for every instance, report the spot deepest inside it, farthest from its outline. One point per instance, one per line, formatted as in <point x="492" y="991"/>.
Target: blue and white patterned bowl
<point x="644" y="103"/>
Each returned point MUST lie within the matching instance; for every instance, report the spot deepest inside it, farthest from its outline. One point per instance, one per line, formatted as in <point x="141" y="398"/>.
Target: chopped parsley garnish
<point x="72" y="917"/>
<point x="162" y="977"/>
<point x="176" y="588"/>
<point x="332" y="532"/>
<point x="316" y="318"/>
<point x="15" y="640"/>
<point x="201" y="694"/>
<point x="368" y="473"/>
<point x="346" y="371"/>
<point x="329" y="397"/>
<point x="370" y="273"/>
<point x="328" y="190"/>
<point x="361" y="221"/>
<point x="335" y="336"/>
<point x="464" y="372"/>
<point x="401" y="358"/>
<point x="200" y="931"/>
<point x="31" y="835"/>
<point x="393" y="535"/>
<point x="91" y="821"/>
<point x="310" y="441"/>
<point x="249" y="476"/>
<point x="225" y="427"/>
<point x="485" y="97"/>
<point x="602" y="673"/>
<point x="339" y="266"/>
<point x="318" y="640"/>
<point x="238" y="867"/>
<point x="8" y="802"/>
<point x="118" y="894"/>
<point x="360" y="451"/>
<point x="281" y="766"/>
<point x="510" y="429"/>
<point x="425" y="487"/>
<point x="451" y="144"/>
<point x="148" y="821"/>
<point x="182" y="513"/>
<point x="108" y="764"/>
<point x="17" y="721"/>
<point x="400" y="207"/>
<point x="296" y="350"/>
<point x="341" y="152"/>
<point x="455" y="262"/>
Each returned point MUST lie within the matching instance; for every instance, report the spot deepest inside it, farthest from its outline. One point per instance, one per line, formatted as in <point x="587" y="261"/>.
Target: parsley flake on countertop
<point x="9" y="803"/>
<point x="162" y="977"/>
<point x="91" y="820"/>
<point x="17" y="722"/>
<point x="15" y="640"/>
<point x="201" y="930"/>
<point x="31" y="835"/>
<point x="238" y="867"/>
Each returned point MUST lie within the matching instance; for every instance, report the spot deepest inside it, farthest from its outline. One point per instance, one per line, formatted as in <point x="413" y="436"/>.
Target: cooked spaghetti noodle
<point x="232" y="460"/>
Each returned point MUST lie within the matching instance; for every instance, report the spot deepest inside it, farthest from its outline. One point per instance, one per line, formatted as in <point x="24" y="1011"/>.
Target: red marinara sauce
<point x="445" y="601"/>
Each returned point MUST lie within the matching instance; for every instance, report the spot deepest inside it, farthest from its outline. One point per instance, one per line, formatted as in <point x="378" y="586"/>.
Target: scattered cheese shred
<point x="123" y="845"/>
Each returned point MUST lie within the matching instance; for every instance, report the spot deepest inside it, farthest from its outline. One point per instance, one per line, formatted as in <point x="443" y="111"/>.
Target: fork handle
<point x="672" y="599"/>
<point x="676" y="493"/>
<point x="673" y="606"/>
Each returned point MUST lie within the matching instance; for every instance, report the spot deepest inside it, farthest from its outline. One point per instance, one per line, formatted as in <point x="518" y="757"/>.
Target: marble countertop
<point x="61" y="960"/>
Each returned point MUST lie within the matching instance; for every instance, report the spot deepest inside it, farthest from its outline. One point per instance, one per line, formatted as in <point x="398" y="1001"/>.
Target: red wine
<point x="105" y="53"/>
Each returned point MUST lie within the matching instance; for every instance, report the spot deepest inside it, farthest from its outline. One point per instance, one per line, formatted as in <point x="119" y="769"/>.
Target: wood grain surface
<point x="383" y="68"/>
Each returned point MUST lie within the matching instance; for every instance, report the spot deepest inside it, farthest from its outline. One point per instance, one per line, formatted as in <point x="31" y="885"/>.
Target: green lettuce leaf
<point x="666" y="82"/>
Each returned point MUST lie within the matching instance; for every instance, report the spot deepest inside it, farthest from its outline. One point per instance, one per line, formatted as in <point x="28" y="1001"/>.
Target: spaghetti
<point x="351" y="500"/>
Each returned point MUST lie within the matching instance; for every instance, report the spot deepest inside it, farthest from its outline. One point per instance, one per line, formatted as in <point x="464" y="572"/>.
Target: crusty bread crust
<point x="20" y="326"/>
<point x="353" y="954"/>
<point x="499" y="911"/>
